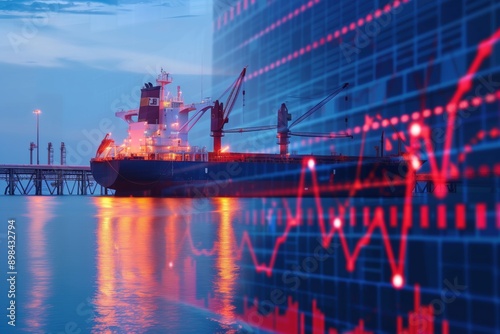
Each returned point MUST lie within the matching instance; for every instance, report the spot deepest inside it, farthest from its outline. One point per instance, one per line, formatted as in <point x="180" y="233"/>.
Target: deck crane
<point x="219" y="113"/>
<point x="283" y="129"/>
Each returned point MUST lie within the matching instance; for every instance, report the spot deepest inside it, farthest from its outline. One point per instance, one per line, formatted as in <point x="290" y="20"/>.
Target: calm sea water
<point x="146" y="265"/>
<point x="122" y="265"/>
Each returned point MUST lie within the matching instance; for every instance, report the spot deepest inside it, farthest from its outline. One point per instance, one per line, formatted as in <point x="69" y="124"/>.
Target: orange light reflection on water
<point x="125" y="265"/>
<point x="38" y="213"/>
<point x="170" y="273"/>
<point x="227" y="275"/>
<point x="146" y="256"/>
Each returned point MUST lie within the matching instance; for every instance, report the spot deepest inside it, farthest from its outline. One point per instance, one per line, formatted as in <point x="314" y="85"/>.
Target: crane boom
<point x="321" y="135"/>
<point x="233" y="95"/>
<point x="220" y="112"/>
<point x="251" y="129"/>
<point x="320" y="104"/>
<point x="193" y="120"/>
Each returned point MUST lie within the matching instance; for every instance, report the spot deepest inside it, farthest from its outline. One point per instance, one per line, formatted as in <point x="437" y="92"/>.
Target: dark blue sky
<point x="78" y="61"/>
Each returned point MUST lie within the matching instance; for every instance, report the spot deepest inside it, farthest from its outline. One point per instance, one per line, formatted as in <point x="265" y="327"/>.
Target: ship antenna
<point x="201" y="81"/>
<point x="163" y="79"/>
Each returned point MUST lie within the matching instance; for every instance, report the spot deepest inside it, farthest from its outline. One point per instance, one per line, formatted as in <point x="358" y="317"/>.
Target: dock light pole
<point x="37" y="112"/>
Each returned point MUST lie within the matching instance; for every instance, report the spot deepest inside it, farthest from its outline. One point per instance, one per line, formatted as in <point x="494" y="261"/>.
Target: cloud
<point x="51" y="52"/>
<point x="21" y="8"/>
<point x="130" y="40"/>
<point x="17" y="9"/>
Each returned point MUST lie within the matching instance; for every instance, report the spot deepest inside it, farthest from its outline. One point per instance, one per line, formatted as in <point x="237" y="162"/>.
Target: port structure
<point x="50" y="180"/>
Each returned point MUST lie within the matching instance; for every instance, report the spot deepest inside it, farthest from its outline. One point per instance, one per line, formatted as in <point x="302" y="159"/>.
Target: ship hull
<point x="158" y="178"/>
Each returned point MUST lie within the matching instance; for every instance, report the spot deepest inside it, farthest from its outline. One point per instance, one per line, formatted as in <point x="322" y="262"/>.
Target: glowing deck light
<point x="337" y="223"/>
<point x="397" y="281"/>
<point x="170" y="264"/>
<point x="311" y="163"/>
<point x="225" y="148"/>
<point x="415" y="162"/>
<point x="415" y="129"/>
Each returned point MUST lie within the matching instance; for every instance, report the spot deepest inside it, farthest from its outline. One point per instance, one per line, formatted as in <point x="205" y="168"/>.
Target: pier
<point x="50" y="180"/>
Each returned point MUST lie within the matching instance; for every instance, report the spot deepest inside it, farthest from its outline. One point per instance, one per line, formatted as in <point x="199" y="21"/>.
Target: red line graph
<point x="439" y="175"/>
<point x="396" y="261"/>
<point x="464" y="85"/>
<point x="418" y="116"/>
<point x="421" y="319"/>
<point x="457" y="102"/>
<point x="335" y="224"/>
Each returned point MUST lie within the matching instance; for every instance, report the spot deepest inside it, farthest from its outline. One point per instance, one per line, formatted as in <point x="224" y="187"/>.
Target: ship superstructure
<point x="156" y="158"/>
<point x="155" y="130"/>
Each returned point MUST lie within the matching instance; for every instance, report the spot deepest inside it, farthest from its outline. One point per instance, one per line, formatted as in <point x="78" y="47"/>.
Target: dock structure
<point x="50" y="180"/>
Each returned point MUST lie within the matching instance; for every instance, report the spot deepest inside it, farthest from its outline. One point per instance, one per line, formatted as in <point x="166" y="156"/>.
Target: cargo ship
<point x="156" y="159"/>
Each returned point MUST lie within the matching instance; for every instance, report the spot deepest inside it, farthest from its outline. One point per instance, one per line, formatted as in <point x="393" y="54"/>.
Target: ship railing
<point x="250" y="158"/>
<point x="164" y="156"/>
<point x="270" y="158"/>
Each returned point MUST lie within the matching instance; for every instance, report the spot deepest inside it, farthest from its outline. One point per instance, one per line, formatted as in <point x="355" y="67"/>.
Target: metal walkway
<point x="50" y="180"/>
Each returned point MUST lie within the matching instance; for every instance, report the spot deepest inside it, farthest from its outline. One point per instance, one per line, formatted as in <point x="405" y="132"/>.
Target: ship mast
<point x="163" y="79"/>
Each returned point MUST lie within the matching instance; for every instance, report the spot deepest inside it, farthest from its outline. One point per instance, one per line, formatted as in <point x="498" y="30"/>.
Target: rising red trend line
<point x="294" y="220"/>
<point x="405" y="118"/>
<point x="396" y="262"/>
<point x="485" y="49"/>
<point x="335" y="226"/>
